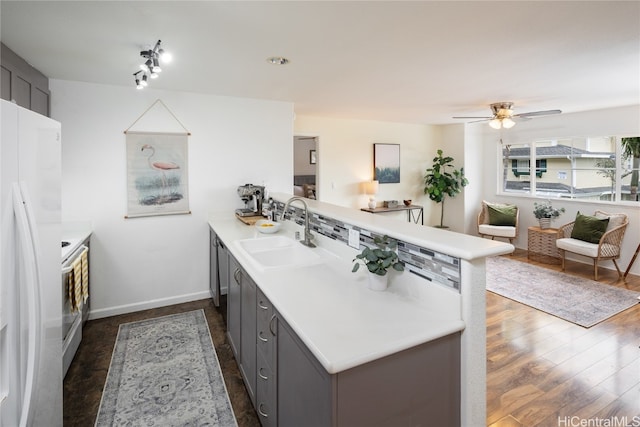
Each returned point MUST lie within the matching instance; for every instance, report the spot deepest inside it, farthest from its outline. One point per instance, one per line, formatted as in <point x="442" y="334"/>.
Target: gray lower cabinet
<point x="233" y="300"/>
<point x="288" y="386"/>
<point x="266" y="384"/>
<point x="214" y="278"/>
<point x="415" y="387"/>
<point x="248" y="335"/>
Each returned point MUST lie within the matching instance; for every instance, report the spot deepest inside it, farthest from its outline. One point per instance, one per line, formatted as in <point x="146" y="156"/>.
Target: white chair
<point x="486" y="229"/>
<point x="608" y="246"/>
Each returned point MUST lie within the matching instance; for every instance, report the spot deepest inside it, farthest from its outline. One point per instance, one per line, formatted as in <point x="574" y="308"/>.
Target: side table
<point x="541" y="245"/>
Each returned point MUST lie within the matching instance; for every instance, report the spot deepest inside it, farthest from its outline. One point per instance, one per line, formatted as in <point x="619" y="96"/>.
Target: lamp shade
<point x="507" y="123"/>
<point x="371" y="187"/>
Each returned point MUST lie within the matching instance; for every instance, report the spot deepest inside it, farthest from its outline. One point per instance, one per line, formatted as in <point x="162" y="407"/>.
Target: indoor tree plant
<point x="378" y="260"/>
<point x="442" y="180"/>
<point x="545" y="213"/>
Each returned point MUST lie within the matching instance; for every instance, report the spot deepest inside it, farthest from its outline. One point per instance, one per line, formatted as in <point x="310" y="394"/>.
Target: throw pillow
<point x="589" y="228"/>
<point x="502" y="215"/>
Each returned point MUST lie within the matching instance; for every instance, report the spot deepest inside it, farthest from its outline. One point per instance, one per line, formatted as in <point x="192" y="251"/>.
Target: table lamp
<point x="371" y="188"/>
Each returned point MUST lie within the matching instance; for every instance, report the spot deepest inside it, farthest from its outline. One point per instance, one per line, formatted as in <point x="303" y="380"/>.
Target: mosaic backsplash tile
<point x="424" y="262"/>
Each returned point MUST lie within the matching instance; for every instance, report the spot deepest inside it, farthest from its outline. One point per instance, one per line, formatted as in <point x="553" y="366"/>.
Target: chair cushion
<point x="589" y="228"/>
<point x="502" y="215"/>
<point x="497" y="230"/>
<point x="615" y="220"/>
<point x="585" y="248"/>
<point x="485" y="209"/>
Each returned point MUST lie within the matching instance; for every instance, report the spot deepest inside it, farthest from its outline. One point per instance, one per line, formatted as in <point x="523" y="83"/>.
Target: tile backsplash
<point x="426" y="263"/>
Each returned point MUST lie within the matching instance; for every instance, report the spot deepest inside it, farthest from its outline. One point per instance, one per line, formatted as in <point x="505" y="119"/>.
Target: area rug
<point x="165" y="372"/>
<point x="575" y="299"/>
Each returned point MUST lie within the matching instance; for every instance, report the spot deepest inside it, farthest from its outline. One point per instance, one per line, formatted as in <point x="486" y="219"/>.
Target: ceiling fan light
<point x="153" y="75"/>
<point x="507" y="123"/>
<point x="495" y="123"/>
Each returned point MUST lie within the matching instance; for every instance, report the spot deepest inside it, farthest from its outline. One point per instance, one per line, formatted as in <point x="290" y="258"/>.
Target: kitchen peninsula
<point x="416" y="350"/>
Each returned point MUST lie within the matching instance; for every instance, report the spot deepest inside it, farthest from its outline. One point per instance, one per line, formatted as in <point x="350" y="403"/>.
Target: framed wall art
<point x="157" y="173"/>
<point x="386" y="163"/>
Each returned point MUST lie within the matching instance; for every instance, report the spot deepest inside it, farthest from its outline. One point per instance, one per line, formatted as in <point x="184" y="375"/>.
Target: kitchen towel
<point x="75" y="284"/>
<point x="85" y="275"/>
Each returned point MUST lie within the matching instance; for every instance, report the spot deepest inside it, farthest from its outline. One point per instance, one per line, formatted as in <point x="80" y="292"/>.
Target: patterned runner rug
<point x="580" y="301"/>
<point x="165" y="372"/>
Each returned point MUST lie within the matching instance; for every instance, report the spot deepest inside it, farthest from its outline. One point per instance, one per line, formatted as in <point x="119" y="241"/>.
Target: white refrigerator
<point x="30" y="277"/>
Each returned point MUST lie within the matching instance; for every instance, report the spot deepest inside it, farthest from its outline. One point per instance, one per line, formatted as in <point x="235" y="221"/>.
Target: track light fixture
<point x="151" y="67"/>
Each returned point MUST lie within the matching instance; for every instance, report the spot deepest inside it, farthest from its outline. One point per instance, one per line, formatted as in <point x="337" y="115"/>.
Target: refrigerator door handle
<point x="27" y="239"/>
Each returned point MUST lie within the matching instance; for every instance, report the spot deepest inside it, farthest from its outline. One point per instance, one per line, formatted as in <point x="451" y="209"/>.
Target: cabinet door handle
<point x="264" y="307"/>
<point x="264" y="377"/>
<point x="236" y="274"/>
<point x="273" y="318"/>
<point x="261" y="412"/>
<point x="261" y="338"/>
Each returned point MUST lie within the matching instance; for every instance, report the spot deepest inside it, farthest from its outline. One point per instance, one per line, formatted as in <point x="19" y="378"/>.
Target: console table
<point x="541" y="245"/>
<point x="414" y="212"/>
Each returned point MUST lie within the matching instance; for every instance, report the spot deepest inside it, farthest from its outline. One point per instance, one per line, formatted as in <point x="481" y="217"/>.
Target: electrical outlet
<point x="354" y="238"/>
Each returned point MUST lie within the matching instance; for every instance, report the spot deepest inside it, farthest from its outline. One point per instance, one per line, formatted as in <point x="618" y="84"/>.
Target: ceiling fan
<point x="503" y="115"/>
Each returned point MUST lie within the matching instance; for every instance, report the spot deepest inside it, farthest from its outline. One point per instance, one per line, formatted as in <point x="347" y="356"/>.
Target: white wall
<point x="154" y="261"/>
<point x="623" y="121"/>
<point x="345" y="161"/>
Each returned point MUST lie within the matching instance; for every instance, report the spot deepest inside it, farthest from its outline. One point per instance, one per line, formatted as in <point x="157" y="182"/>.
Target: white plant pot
<point x="544" y="222"/>
<point x="377" y="282"/>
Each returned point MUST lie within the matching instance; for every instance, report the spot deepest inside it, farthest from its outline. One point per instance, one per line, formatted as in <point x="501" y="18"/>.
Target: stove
<point x="68" y="246"/>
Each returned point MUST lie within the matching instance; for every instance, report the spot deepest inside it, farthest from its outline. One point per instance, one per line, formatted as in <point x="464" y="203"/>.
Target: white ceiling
<point x="416" y="61"/>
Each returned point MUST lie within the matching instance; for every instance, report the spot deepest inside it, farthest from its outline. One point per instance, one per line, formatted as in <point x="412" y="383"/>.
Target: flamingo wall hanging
<point x="157" y="170"/>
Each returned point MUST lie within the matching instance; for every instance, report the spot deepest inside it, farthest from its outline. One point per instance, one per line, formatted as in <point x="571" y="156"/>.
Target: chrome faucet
<point x="307" y="233"/>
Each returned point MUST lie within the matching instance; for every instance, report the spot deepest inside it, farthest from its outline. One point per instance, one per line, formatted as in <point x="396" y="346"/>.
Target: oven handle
<point x="82" y="249"/>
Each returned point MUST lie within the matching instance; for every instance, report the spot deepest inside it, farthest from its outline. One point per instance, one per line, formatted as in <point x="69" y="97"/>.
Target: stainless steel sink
<point x="278" y="252"/>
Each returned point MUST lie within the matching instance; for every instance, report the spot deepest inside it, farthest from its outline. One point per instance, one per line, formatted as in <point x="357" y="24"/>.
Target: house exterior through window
<point x="589" y="168"/>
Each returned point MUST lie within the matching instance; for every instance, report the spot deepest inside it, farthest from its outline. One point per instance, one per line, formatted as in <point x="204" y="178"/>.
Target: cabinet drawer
<point x="266" y="394"/>
<point x="266" y="334"/>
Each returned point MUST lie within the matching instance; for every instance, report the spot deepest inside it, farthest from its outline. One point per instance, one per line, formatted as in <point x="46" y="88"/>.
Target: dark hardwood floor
<point x="539" y="367"/>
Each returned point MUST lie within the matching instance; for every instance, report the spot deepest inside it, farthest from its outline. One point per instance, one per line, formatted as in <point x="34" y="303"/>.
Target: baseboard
<point x="161" y="302"/>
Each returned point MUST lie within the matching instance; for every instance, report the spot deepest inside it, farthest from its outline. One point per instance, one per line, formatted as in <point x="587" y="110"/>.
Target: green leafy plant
<point x="442" y="180"/>
<point x="378" y="260"/>
<point x="545" y="210"/>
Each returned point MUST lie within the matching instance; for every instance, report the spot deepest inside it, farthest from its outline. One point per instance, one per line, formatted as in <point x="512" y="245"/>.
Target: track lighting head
<point x="151" y="67"/>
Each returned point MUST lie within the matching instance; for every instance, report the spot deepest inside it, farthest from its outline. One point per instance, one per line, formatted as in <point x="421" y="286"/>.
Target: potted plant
<point x="378" y="260"/>
<point x="545" y="213"/>
<point x="442" y="180"/>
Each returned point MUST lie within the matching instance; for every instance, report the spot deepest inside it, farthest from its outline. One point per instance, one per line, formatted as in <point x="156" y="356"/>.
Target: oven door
<point x="71" y="320"/>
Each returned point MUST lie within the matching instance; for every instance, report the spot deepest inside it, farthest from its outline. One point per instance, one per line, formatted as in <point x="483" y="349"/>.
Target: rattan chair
<point x="608" y="248"/>
<point x="487" y="230"/>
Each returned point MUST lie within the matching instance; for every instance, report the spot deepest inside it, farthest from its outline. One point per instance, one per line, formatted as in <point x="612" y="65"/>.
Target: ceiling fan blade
<point x="538" y="113"/>
<point x="472" y="117"/>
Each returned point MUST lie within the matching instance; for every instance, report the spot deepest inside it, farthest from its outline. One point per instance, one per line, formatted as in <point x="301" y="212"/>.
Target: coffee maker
<point x="252" y="196"/>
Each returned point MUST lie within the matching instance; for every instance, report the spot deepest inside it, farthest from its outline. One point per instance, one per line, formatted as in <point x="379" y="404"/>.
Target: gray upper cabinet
<point x="23" y="84"/>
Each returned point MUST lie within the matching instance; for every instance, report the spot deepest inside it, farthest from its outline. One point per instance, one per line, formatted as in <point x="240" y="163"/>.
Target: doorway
<point x="305" y="166"/>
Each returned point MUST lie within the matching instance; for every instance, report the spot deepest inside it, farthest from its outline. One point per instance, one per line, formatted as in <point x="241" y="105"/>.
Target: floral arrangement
<point x="380" y="259"/>
<point x="545" y="210"/>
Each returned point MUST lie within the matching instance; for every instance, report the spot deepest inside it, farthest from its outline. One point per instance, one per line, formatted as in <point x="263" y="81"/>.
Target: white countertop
<point x="342" y="322"/>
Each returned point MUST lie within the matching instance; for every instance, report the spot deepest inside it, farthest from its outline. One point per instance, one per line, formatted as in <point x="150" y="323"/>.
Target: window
<point x="602" y="168"/>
